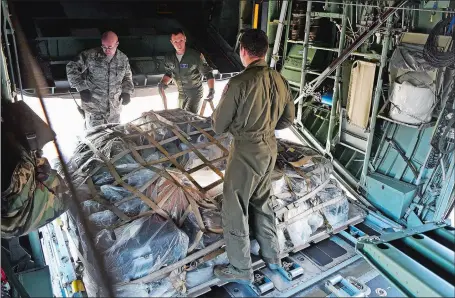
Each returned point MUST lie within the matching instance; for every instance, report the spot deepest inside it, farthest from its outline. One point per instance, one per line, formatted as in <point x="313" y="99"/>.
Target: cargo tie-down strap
<point x="307" y="198"/>
<point x="193" y="195"/>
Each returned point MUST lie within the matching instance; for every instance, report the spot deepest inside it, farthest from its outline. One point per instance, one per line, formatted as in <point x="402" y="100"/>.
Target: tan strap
<point x="105" y="203"/>
<point x="199" y="154"/>
<point x="204" y="103"/>
<point x="117" y="178"/>
<point x="196" y="241"/>
<point x="171" y="159"/>
<point x="211" y="138"/>
<point x="301" y="162"/>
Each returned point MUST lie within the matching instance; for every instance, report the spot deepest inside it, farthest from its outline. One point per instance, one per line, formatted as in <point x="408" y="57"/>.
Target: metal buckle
<point x="261" y="284"/>
<point x="290" y="269"/>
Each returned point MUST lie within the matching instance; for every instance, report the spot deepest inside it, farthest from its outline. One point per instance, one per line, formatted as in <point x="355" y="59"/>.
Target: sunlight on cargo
<point x="69" y="125"/>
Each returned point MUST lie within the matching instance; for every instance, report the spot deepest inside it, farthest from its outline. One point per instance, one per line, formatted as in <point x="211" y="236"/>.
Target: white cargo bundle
<point x="151" y="192"/>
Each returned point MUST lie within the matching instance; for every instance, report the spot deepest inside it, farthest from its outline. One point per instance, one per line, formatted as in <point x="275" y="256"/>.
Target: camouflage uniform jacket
<point x="106" y="80"/>
<point x="36" y="196"/>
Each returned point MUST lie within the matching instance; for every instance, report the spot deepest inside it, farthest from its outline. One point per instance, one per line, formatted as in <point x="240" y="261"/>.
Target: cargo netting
<point x="151" y="191"/>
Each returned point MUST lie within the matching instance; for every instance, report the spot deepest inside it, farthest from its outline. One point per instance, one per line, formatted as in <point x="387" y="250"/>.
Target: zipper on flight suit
<point x="180" y="75"/>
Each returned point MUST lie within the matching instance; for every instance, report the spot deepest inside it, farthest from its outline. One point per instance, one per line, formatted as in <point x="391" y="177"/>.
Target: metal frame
<point x="376" y="99"/>
<point x="387" y="17"/>
<point x="51" y="91"/>
<point x="288" y="22"/>
<point x="276" y="46"/>
<point x="446" y="192"/>
<point x="336" y="88"/>
<point x="304" y="57"/>
<point x="309" y="89"/>
<point x="63" y="274"/>
<point x="408" y="232"/>
<point x="6" y="32"/>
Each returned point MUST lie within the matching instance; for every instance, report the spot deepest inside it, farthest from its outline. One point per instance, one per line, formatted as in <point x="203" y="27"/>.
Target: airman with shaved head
<point x="103" y="78"/>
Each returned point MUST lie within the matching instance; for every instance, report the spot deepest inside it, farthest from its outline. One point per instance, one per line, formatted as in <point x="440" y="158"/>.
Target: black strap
<point x="31" y="131"/>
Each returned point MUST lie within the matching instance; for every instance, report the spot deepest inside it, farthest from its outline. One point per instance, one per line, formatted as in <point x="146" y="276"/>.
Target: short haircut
<point x="106" y="35"/>
<point x="255" y="42"/>
<point x="177" y="31"/>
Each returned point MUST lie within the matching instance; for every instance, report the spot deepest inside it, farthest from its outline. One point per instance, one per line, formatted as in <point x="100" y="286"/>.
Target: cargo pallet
<point x="183" y="126"/>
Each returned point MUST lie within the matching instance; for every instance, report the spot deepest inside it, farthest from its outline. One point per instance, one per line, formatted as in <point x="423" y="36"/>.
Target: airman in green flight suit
<point x="186" y="66"/>
<point x="253" y="105"/>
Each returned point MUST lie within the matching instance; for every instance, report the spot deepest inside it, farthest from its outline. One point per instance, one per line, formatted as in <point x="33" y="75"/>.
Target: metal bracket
<point x="402" y="153"/>
<point x="388" y="237"/>
<point x="261" y="284"/>
<point x="356" y="232"/>
<point x="290" y="269"/>
<point x="349" y="287"/>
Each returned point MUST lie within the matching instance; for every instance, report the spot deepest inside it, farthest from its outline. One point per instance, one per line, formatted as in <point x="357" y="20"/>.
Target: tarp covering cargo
<point x="151" y="191"/>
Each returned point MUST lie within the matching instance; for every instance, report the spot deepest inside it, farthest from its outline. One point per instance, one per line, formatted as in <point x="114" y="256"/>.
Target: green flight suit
<point x="187" y="75"/>
<point x="253" y="105"/>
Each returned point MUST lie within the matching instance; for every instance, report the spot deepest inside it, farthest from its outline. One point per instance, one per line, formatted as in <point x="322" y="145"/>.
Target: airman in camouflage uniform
<point x="186" y="66"/>
<point x="36" y="196"/>
<point x="33" y="194"/>
<point x="104" y="80"/>
<point x="253" y="105"/>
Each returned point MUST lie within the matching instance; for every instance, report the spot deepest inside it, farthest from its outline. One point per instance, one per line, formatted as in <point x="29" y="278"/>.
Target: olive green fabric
<point x="253" y="105"/>
<point x="187" y="75"/>
<point x="190" y="99"/>
<point x="106" y="80"/>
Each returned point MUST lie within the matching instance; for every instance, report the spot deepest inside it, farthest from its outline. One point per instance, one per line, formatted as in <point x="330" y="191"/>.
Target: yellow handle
<point x="77" y="286"/>
<point x="256" y="16"/>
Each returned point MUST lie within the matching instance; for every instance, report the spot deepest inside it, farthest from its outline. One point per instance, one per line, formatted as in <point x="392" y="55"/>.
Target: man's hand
<point x="211" y="95"/>
<point x="126" y="98"/>
<point x="86" y="95"/>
